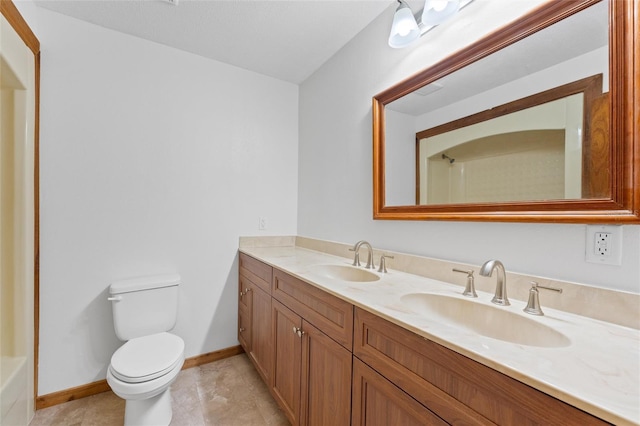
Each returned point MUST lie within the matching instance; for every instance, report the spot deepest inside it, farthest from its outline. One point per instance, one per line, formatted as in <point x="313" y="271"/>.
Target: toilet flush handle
<point x="114" y="299"/>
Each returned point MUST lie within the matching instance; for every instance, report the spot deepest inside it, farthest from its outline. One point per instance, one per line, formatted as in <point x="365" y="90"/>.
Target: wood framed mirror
<point x="598" y="184"/>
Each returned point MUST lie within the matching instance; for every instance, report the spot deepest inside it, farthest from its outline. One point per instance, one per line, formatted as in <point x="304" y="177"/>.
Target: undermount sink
<point x="495" y="322"/>
<point x="344" y="273"/>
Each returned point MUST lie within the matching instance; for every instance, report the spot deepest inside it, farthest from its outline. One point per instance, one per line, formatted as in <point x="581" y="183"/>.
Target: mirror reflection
<point x="527" y="123"/>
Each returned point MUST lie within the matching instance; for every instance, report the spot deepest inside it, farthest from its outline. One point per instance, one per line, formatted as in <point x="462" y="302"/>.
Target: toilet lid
<point x="148" y="357"/>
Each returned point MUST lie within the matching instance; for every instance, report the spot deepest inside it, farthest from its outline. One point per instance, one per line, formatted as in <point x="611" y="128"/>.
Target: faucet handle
<point x="533" y="304"/>
<point x="469" y="290"/>
<point x="383" y="263"/>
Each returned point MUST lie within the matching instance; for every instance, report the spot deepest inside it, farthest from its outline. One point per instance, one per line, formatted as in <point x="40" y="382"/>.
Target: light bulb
<point x="436" y="12"/>
<point x="403" y="29"/>
<point x="439" y="5"/>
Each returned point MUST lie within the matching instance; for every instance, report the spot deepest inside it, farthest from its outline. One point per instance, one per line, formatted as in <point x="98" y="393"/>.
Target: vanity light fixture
<point x="407" y="28"/>
<point x="404" y="29"/>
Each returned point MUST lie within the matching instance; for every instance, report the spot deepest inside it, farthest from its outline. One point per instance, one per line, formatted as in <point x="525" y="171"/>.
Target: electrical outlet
<point x="262" y="223"/>
<point x="601" y="244"/>
<point x="604" y="244"/>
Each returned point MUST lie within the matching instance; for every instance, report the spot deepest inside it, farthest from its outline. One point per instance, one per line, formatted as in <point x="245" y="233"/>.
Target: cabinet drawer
<point x="454" y="387"/>
<point x="255" y="271"/>
<point x="331" y="315"/>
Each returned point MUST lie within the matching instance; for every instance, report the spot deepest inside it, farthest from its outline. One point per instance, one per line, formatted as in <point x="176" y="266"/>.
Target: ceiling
<point x="285" y="39"/>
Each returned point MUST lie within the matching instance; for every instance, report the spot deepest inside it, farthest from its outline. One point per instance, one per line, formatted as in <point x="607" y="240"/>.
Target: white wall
<point x="400" y="164"/>
<point x="583" y="66"/>
<point x="335" y="177"/>
<point x="152" y="160"/>
<point x="29" y="12"/>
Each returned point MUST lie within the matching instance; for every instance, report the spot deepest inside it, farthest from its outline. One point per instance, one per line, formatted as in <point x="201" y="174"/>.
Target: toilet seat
<point x="142" y="390"/>
<point x="146" y="358"/>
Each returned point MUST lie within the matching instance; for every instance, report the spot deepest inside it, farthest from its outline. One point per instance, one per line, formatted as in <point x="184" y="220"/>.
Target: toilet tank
<point x="144" y="305"/>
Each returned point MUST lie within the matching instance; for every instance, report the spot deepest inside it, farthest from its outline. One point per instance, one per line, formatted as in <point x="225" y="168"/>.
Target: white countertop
<point x="599" y="372"/>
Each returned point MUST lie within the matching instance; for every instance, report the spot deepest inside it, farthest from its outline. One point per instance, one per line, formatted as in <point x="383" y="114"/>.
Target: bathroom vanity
<point x="338" y="345"/>
<point x="299" y="339"/>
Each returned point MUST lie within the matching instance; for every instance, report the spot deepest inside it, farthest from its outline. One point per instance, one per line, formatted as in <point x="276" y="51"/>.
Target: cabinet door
<point x="244" y="314"/>
<point x="244" y="329"/>
<point x="378" y="402"/>
<point x="285" y="379"/>
<point x="326" y="380"/>
<point x="261" y="348"/>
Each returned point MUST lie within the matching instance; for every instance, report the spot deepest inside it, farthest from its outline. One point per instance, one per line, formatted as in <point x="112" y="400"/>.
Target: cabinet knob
<point x="298" y="331"/>
<point x="241" y="329"/>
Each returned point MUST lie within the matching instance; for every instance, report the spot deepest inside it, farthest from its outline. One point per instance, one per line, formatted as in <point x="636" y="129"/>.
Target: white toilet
<point x="142" y="369"/>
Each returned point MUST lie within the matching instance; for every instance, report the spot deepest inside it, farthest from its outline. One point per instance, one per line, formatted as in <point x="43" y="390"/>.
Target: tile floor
<point x="228" y="392"/>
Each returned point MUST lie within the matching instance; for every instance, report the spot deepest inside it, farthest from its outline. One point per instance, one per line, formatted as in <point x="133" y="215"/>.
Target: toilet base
<point x="155" y="411"/>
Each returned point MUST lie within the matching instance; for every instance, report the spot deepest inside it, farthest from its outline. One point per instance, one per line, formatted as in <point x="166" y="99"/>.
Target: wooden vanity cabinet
<point x="311" y="378"/>
<point x="327" y="363"/>
<point x="254" y="314"/>
<point x="454" y="387"/>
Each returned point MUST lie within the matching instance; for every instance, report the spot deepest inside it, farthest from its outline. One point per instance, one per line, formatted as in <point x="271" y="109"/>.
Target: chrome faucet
<point x="500" y="297"/>
<point x="356" y="257"/>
